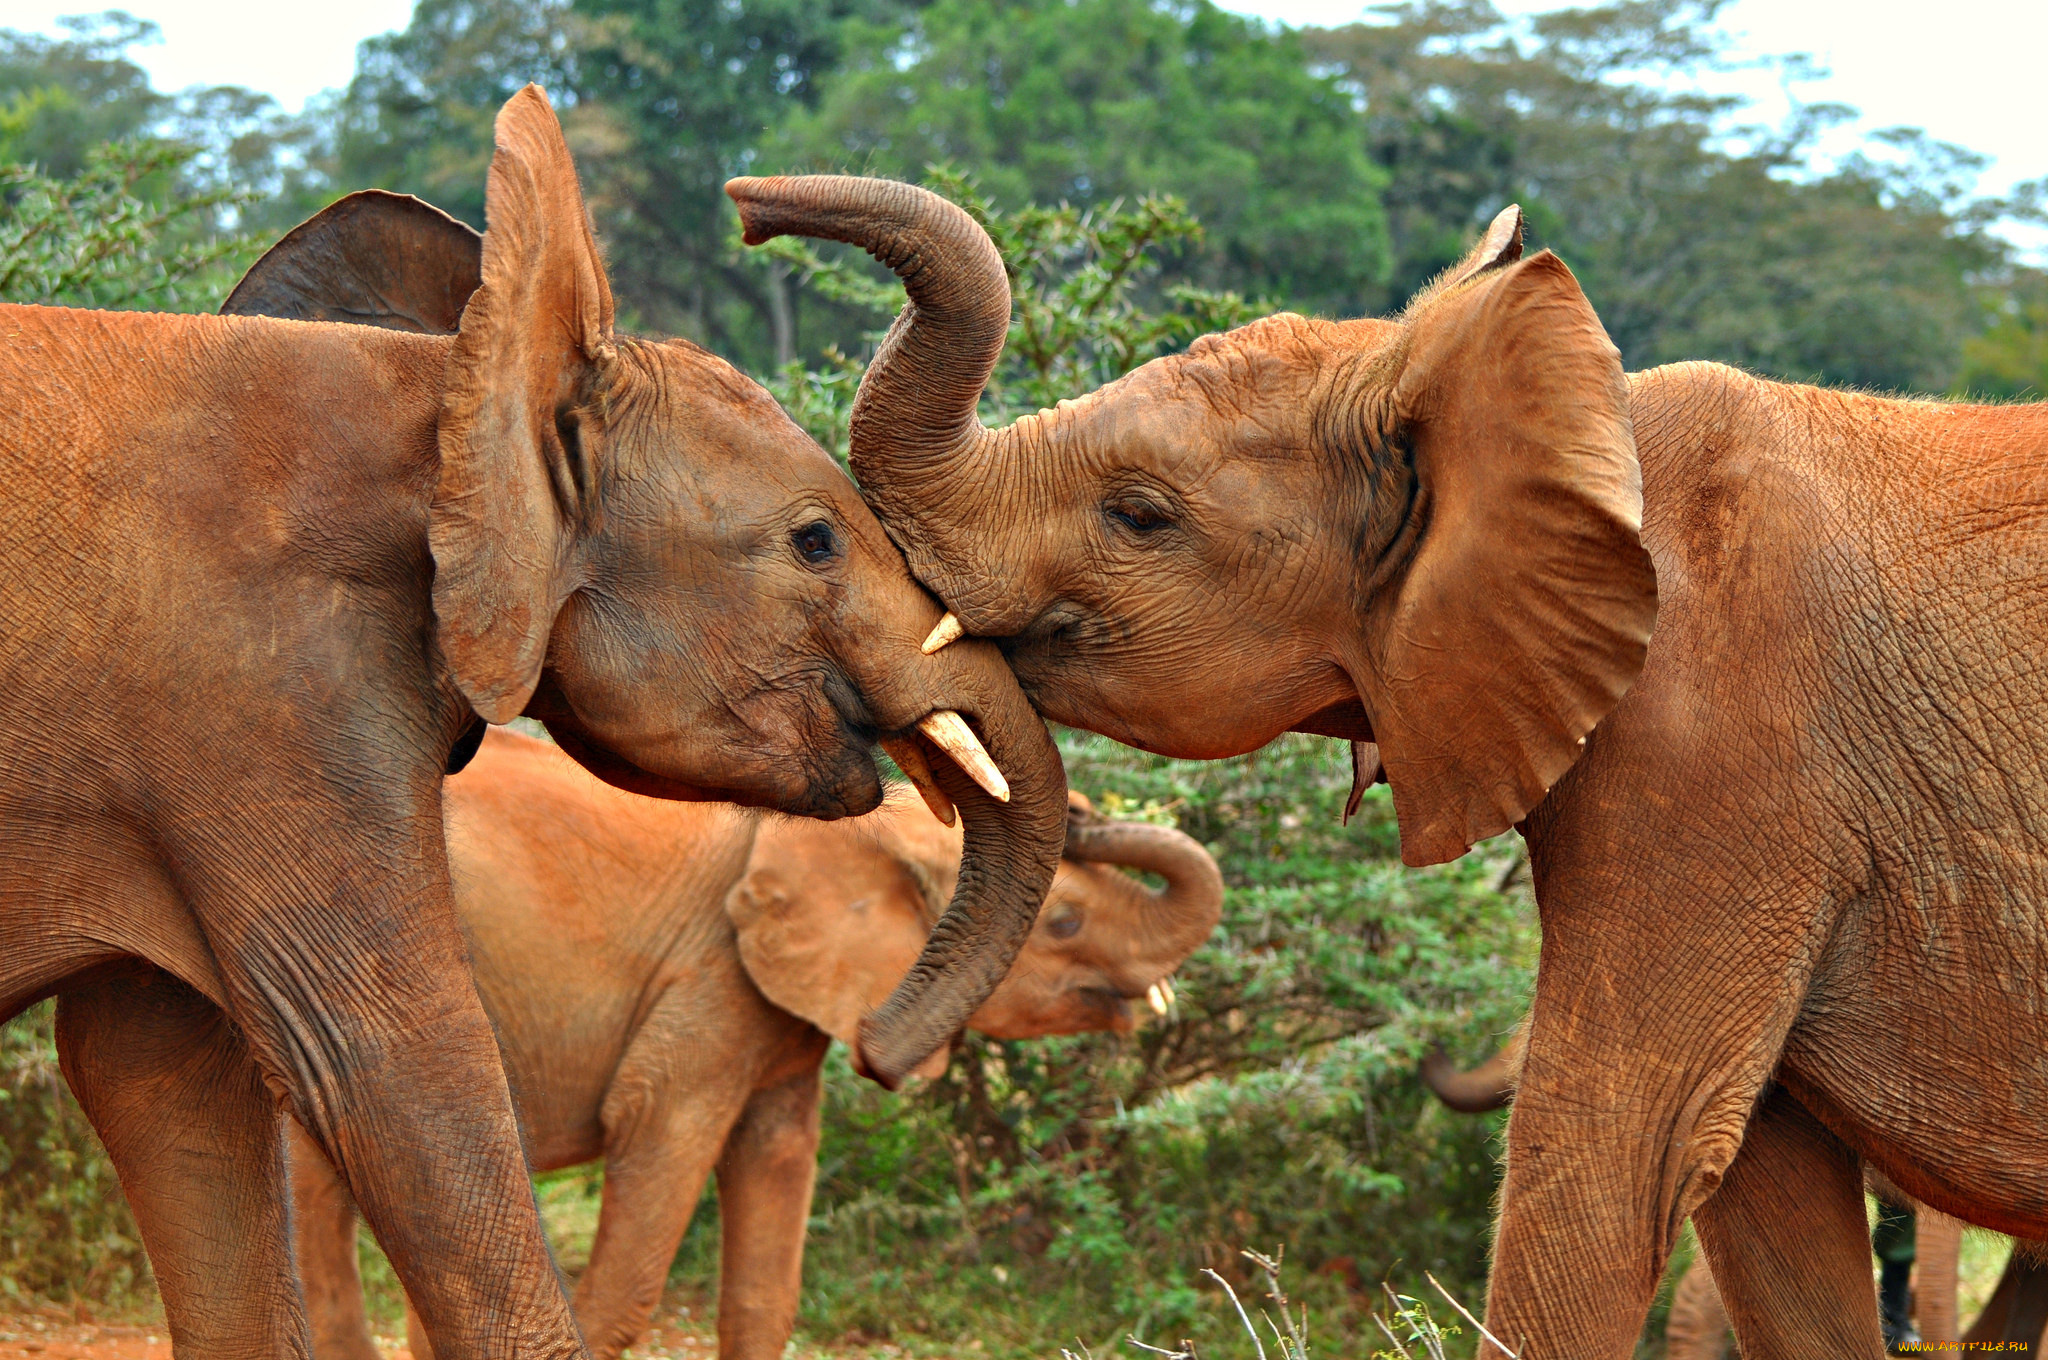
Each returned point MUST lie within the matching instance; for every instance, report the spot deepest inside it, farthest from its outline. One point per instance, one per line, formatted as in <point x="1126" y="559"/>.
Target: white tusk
<point x="1157" y="996"/>
<point x="951" y="734"/>
<point x="1166" y="990"/>
<point x="947" y="630"/>
<point x="909" y="758"/>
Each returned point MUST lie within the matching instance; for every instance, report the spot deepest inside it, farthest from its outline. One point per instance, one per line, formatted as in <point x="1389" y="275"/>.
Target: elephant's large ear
<point x="1525" y="612"/>
<point x="522" y="416"/>
<point x="829" y="919"/>
<point x="371" y="259"/>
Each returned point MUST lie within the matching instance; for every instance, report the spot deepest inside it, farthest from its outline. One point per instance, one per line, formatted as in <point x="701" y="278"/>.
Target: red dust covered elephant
<point x="664" y="979"/>
<point x="261" y="582"/>
<point x="1754" y="667"/>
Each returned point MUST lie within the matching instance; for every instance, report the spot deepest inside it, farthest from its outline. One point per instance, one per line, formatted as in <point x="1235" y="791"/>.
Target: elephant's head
<point x="829" y="919"/>
<point x="633" y="543"/>
<point x="1421" y="532"/>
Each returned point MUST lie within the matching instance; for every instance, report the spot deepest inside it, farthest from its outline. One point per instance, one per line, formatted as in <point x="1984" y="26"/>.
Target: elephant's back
<point x="577" y="901"/>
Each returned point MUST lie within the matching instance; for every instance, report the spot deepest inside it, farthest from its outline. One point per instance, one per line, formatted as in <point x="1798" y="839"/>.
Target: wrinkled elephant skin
<point x="663" y="980"/>
<point x="1753" y="666"/>
<point x="261" y="578"/>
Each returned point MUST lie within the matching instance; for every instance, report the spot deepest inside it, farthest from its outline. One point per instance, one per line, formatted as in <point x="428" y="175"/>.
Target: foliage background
<point x="1153" y="169"/>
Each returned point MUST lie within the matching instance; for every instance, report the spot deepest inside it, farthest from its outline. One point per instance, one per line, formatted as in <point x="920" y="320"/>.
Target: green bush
<point x="1048" y="1189"/>
<point x="65" y="1232"/>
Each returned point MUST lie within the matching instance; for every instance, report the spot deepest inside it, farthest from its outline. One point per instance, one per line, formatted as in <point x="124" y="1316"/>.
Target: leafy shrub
<point x="1051" y="1188"/>
<point x="65" y="1232"/>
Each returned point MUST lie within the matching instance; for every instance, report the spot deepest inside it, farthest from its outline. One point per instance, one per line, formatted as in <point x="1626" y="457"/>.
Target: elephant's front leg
<point x="764" y="1205"/>
<point x="334" y="925"/>
<point x="194" y="1136"/>
<point x="667" y="1114"/>
<point x="1789" y="1243"/>
<point x="1641" y="1074"/>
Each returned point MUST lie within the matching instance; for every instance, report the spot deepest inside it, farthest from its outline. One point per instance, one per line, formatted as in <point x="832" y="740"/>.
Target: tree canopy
<point x="1332" y="170"/>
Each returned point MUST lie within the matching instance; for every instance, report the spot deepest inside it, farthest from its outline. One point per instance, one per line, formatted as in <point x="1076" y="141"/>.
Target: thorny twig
<point x="1477" y="1325"/>
<point x="1293" y="1346"/>
<point x="1387" y="1332"/>
<point x="1411" y="1313"/>
<point x="1257" y="1345"/>
<point x="1186" y="1352"/>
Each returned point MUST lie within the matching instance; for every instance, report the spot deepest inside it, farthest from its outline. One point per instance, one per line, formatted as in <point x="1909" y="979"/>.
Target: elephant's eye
<point x="814" y="542"/>
<point x="1138" y="515"/>
<point x="1063" y="922"/>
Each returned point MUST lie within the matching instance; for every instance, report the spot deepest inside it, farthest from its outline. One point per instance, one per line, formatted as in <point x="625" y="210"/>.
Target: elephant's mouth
<point x="826" y="778"/>
<point x="621" y="773"/>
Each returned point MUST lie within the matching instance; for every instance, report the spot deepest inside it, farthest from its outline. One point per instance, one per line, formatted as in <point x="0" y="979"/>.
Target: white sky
<point x="1969" y="71"/>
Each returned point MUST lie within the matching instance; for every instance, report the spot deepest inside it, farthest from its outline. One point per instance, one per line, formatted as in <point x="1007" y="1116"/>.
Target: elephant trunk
<point x="1488" y="1086"/>
<point x="1010" y="850"/>
<point x="1173" y="920"/>
<point x="916" y="439"/>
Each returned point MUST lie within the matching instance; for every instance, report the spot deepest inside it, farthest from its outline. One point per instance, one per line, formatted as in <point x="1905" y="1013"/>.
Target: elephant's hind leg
<point x="1939" y="1242"/>
<point x="324" y="1235"/>
<point x="2017" y="1312"/>
<point x="195" y="1137"/>
<point x="764" y="1205"/>
<point x="1788" y="1242"/>
<point x="1698" y="1326"/>
<point x="670" y="1106"/>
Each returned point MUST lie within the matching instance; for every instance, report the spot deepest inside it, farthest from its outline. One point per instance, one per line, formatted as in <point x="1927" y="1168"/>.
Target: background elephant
<point x="1786" y="837"/>
<point x="664" y="979"/>
<point x="262" y="578"/>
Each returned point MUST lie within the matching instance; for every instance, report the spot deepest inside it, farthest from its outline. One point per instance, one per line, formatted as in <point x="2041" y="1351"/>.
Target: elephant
<point x="664" y="979"/>
<point x="263" y="582"/>
<point x="1747" y="663"/>
<point x="2014" y="1320"/>
<point x="1697" y="1326"/>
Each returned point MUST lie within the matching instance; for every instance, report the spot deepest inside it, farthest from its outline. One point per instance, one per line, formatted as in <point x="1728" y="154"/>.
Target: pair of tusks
<point x="1160" y="995"/>
<point x="950" y="733"/>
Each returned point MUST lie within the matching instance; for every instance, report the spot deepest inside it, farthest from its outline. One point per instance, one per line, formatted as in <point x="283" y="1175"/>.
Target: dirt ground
<point x="58" y="1335"/>
<point x="35" y="1337"/>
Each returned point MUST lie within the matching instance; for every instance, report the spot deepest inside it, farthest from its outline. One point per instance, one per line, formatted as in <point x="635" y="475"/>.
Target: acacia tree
<point x="1694" y="237"/>
<point x="1088" y="102"/>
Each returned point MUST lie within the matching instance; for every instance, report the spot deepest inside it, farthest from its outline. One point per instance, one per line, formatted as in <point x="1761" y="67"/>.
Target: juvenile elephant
<point x="664" y="980"/>
<point x="261" y="579"/>
<point x="1790" y="849"/>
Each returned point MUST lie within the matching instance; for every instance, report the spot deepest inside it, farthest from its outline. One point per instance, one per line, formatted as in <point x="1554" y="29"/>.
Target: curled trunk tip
<point x="1180" y="916"/>
<point x="1489" y="1086"/>
<point x="1008" y="855"/>
<point x="916" y="405"/>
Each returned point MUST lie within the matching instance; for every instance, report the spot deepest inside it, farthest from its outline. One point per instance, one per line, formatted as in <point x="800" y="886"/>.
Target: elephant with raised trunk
<point x="1752" y="666"/>
<point x="262" y="580"/>
<point x="664" y="980"/>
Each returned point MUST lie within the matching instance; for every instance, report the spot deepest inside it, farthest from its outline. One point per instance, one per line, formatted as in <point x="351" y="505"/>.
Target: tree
<point x="417" y="116"/>
<point x="1693" y="240"/>
<point x="2008" y="359"/>
<point x="113" y="195"/>
<point x="68" y="95"/>
<point x="1098" y="100"/>
<point x="661" y="101"/>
